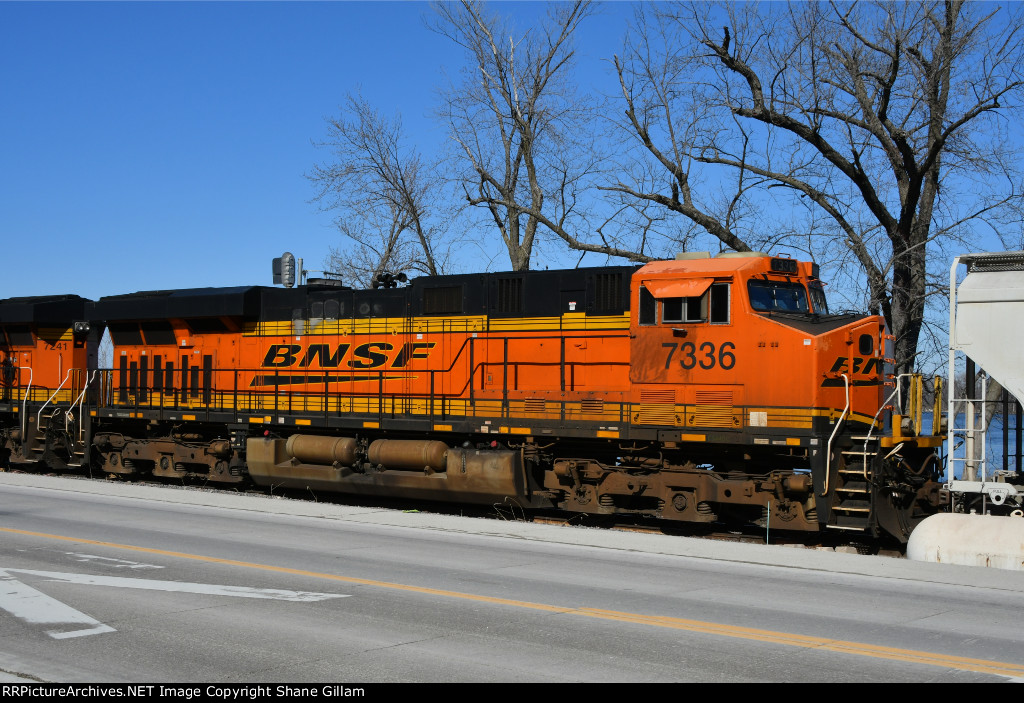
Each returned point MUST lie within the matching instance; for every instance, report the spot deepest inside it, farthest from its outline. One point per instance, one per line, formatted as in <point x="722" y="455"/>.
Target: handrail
<point x="835" y="430"/>
<point x="39" y="415"/>
<point x="982" y="462"/>
<point x="951" y="368"/>
<point x="874" y="420"/>
<point x="79" y="401"/>
<point x="24" y="400"/>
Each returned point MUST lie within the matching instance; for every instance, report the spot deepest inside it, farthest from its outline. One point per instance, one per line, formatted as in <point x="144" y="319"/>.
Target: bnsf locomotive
<point x="700" y="390"/>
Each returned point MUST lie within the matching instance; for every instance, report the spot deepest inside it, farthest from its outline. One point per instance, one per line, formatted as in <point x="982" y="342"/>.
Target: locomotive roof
<point x="529" y="272"/>
<point x="240" y="301"/>
<point x="707" y="266"/>
<point x="180" y="293"/>
<point x="42" y="309"/>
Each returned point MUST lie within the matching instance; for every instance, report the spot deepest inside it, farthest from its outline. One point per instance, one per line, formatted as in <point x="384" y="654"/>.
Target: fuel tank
<point x="422" y="470"/>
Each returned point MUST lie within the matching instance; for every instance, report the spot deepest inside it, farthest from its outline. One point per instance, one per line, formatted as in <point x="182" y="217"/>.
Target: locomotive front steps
<point x="851" y="509"/>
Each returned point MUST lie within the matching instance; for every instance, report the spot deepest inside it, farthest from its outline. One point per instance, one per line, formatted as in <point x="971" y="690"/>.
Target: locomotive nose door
<point x="867" y="371"/>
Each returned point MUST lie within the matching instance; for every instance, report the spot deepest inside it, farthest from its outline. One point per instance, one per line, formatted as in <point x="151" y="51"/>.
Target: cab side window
<point x="818" y="299"/>
<point x="719" y="303"/>
<point x="648" y="308"/>
<point x="712" y="306"/>
<point x="684" y="309"/>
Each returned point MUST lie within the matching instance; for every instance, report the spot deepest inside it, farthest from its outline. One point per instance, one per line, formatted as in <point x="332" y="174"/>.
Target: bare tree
<point x="383" y="194"/>
<point x="375" y="242"/>
<point x="880" y="129"/>
<point x="520" y="130"/>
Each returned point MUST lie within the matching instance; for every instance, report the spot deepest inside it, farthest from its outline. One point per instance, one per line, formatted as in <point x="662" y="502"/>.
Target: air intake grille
<point x="510" y="295"/>
<point x="442" y="301"/>
<point x="535" y="405"/>
<point x="657" y="407"/>
<point x="607" y="291"/>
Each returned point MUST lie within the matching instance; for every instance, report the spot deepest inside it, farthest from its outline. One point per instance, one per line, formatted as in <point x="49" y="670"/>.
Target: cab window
<point x="648" y="308"/>
<point x="818" y="300"/>
<point x="777" y="296"/>
<point x="684" y="309"/>
<point x="712" y="306"/>
<point x="719" y="303"/>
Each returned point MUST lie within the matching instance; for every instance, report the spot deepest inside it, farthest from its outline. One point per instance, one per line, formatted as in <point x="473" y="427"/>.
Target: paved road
<point x="104" y="582"/>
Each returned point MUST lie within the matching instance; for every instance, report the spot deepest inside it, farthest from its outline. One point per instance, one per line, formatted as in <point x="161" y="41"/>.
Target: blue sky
<point x="154" y="145"/>
<point x="164" y="145"/>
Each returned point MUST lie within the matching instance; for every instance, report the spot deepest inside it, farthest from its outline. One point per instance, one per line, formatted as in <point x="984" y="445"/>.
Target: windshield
<point x="777" y="296"/>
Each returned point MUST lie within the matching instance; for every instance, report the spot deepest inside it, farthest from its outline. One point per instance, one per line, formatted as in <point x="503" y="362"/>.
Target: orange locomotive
<point x="698" y="390"/>
<point x="47" y="353"/>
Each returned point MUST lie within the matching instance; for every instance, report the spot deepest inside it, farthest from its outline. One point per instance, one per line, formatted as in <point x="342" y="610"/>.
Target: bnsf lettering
<point x="413" y="350"/>
<point x="371" y="355"/>
<point x="321" y="352"/>
<point x="281" y="355"/>
<point x="873" y="365"/>
<point x="368" y="356"/>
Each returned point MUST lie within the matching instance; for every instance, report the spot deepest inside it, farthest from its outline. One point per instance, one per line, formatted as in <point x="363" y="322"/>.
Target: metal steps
<point x="39" y="447"/>
<point x="851" y="507"/>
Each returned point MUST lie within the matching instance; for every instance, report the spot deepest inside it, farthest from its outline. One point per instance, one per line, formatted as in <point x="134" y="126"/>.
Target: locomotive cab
<point x="738" y="363"/>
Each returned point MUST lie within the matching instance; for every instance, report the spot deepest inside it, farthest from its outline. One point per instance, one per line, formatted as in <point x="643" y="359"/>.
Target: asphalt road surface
<point x="111" y="582"/>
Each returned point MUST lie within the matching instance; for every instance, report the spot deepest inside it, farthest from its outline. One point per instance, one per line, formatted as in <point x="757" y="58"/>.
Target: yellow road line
<point x="806" y="641"/>
<point x="299" y="572"/>
<point x="703" y="627"/>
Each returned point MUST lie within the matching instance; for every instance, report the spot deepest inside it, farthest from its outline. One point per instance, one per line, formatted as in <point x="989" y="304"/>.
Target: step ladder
<point x="77" y="458"/>
<point x="851" y="507"/>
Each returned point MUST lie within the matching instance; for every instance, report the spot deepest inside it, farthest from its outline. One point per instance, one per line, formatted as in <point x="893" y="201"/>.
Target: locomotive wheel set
<point x="701" y="390"/>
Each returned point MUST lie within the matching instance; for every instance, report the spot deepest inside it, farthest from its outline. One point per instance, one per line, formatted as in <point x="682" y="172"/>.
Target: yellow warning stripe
<point x="55" y="334"/>
<point x="403" y="325"/>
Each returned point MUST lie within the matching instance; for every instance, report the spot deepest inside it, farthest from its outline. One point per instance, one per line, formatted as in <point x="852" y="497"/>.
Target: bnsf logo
<point x="860" y="365"/>
<point x="372" y="355"/>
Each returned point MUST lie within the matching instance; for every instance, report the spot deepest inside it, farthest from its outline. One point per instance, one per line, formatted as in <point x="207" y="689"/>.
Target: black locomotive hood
<point x="241" y="301"/>
<point x="814" y="324"/>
